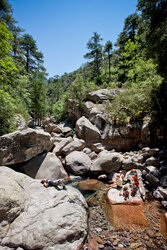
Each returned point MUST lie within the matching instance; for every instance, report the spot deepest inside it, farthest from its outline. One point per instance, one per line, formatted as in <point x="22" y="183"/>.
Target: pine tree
<point x="108" y="50"/>
<point x="95" y="55"/>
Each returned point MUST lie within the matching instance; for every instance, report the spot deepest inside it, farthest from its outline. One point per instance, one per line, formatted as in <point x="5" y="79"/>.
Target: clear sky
<point x="62" y="28"/>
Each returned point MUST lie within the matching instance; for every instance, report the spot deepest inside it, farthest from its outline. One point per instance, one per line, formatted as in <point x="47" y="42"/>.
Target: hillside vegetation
<point x="136" y="64"/>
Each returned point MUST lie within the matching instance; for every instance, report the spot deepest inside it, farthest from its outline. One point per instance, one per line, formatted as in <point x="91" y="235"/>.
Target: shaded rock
<point x="64" y="127"/>
<point x="163" y="191"/>
<point x="90" y="185"/>
<point x="99" y="96"/>
<point x="41" y="212"/>
<point x="59" y="146"/>
<point x="153" y="170"/>
<point x="163" y="170"/>
<point x="122" y="138"/>
<point x="163" y="154"/>
<point x="58" y="128"/>
<point x="51" y="127"/>
<point x="87" y="131"/>
<point x="23" y="145"/>
<point x="157" y="195"/>
<point x="153" y="151"/>
<point x="73" y="110"/>
<point x="45" y="166"/>
<point x="145" y="131"/>
<point x="74" y="145"/>
<point x="107" y="163"/>
<point x="78" y="162"/>
<point x="87" y="107"/>
<point x="152" y="161"/>
<point x="128" y="164"/>
<point x="163" y="181"/>
<point x="99" y="120"/>
<point x="152" y="179"/>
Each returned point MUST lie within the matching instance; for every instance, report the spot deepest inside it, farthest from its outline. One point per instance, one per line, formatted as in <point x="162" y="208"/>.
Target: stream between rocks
<point x="123" y="226"/>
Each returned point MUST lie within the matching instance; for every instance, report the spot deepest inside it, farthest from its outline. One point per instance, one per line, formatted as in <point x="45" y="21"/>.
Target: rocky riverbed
<point x="103" y="235"/>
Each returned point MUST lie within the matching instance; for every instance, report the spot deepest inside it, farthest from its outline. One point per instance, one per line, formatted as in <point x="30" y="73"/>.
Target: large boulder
<point x="122" y="138"/>
<point x="107" y="163"/>
<point x="73" y="110"/>
<point x="61" y="144"/>
<point x="74" y="145"/>
<point x="35" y="217"/>
<point x="44" y="166"/>
<point x="101" y="95"/>
<point x="23" y="145"/>
<point x="78" y="162"/>
<point x="87" y="131"/>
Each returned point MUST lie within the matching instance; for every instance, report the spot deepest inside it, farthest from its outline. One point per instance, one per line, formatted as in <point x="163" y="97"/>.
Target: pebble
<point x="134" y="245"/>
<point x="98" y="229"/>
<point x="120" y="245"/>
<point x="151" y="233"/>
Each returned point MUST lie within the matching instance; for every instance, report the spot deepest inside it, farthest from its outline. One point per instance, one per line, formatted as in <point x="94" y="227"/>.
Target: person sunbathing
<point x="59" y="184"/>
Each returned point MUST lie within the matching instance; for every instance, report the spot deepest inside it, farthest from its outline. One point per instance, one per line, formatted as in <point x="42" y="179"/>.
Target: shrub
<point x="59" y="110"/>
<point x="7" y="110"/>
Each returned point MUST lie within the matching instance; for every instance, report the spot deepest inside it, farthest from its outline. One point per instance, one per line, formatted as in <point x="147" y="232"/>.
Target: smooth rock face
<point x="78" y="162"/>
<point x="44" y="166"/>
<point x="35" y="217"/>
<point x="99" y="95"/>
<point x="122" y="138"/>
<point x="152" y="162"/>
<point x="59" y="146"/>
<point x="107" y="163"/>
<point x="23" y="145"/>
<point x="74" y="145"/>
<point x="87" y="131"/>
<point x="128" y="164"/>
<point x="73" y="110"/>
<point x="51" y="167"/>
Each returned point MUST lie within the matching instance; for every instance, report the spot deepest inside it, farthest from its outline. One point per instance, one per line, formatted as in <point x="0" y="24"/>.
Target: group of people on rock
<point x="124" y="189"/>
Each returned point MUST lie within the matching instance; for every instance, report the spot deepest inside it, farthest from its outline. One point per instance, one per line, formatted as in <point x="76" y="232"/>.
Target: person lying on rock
<point x="59" y="184"/>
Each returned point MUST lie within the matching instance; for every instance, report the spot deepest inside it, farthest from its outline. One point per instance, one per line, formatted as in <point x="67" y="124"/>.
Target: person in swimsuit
<point x="59" y="184"/>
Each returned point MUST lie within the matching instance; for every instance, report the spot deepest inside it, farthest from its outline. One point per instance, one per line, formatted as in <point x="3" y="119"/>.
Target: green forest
<point x="137" y="64"/>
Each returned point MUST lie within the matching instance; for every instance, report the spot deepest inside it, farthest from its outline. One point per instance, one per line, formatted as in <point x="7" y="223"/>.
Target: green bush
<point x="7" y="110"/>
<point x="130" y="106"/>
<point x="59" y="110"/>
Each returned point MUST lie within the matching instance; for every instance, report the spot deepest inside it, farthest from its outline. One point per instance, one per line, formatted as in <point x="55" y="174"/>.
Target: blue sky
<point x="62" y="28"/>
